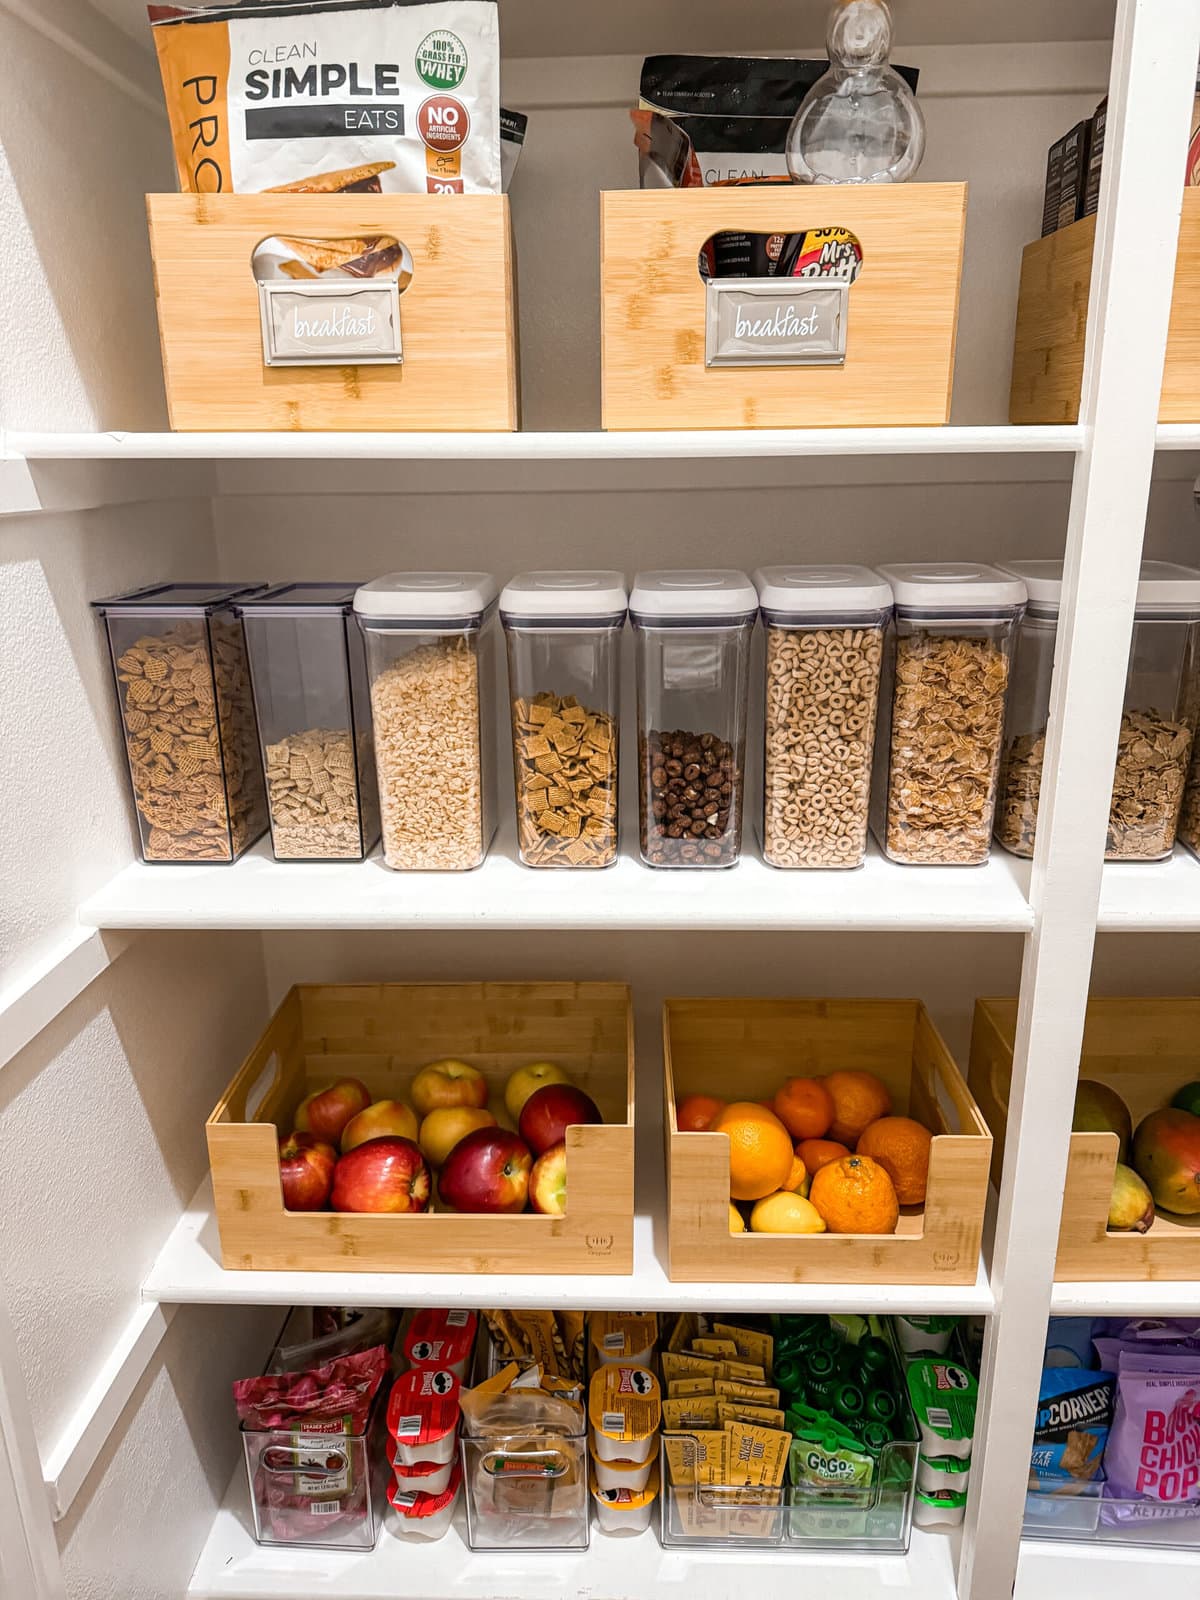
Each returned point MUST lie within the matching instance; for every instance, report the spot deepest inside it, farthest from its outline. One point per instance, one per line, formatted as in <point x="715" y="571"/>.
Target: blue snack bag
<point x="1075" y="1412"/>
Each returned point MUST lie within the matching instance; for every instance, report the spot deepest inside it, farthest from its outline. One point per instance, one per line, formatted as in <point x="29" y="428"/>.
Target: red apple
<point x="382" y="1175"/>
<point x="326" y="1111"/>
<point x="548" y="1182"/>
<point x="550" y="1111"/>
<point x="486" y="1171"/>
<point x="448" y="1083"/>
<point x="306" y="1166"/>
<point x="380" y="1120"/>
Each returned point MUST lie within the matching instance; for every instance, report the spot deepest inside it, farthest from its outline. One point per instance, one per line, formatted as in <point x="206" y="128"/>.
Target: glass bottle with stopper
<point x="860" y="122"/>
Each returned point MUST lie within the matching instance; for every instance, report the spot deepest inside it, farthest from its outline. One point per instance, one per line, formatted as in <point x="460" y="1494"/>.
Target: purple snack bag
<point x="1152" y="1463"/>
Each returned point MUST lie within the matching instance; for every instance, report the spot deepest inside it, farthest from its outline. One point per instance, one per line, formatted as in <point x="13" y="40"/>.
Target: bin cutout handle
<point x="778" y="299"/>
<point x="331" y="301"/>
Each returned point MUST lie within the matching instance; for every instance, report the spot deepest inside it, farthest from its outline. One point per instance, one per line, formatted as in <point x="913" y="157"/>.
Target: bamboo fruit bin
<point x="902" y="319"/>
<point x="744" y="1049"/>
<point x="384" y="1034"/>
<point x="457" y="323"/>
<point x="1145" y="1049"/>
<point x="1052" y="312"/>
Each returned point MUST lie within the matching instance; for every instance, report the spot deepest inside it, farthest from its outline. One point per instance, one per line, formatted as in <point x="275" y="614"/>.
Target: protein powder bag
<point x="333" y="96"/>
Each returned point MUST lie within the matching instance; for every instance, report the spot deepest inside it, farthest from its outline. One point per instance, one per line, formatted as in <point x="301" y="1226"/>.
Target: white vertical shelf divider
<point x="1155" y="50"/>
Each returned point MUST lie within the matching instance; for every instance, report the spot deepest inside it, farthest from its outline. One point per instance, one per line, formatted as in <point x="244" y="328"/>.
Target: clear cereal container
<point x="431" y="646"/>
<point x="563" y="632"/>
<point x="183" y="691"/>
<point x="693" y="632"/>
<point x="1158" y="720"/>
<point x="824" y="647"/>
<point x="947" y="660"/>
<point x="309" y="672"/>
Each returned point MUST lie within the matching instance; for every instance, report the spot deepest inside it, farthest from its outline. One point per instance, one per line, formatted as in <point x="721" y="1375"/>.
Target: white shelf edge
<point x="1000" y="439"/>
<point x="1177" y="436"/>
<point x="262" y="894"/>
<point x="1151" y="896"/>
<point x="636" y="1567"/>
<point x="188" y="1272"/>
<point x="1145" y="1297"/>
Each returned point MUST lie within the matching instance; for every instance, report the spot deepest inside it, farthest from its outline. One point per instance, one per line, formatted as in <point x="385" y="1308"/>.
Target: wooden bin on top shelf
<point x="744" y="1049"/>
<point x="900" y="327"/>
<point x="1145" y="1049"/>
<point x="1052" y="313"/>
<point x="457" y="324"/>
<point x="384" y="1034"/>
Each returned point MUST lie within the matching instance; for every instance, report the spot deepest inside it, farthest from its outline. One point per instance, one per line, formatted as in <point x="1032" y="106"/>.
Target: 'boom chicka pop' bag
<point x="333" y="96"/>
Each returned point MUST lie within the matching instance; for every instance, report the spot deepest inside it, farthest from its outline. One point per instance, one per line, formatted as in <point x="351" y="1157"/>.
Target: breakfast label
<point x="775" y="322"/>
<point x="326" y="323"/>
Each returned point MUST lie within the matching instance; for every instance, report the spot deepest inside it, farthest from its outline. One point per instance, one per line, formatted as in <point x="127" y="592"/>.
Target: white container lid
<point x="426" y="596"/>
<point x="562" y="595"/>
<point x="712" y="594"/>
<point x="1163" y="586"/>
<point x="952" y="586"/>
<point x="828" y="590"/>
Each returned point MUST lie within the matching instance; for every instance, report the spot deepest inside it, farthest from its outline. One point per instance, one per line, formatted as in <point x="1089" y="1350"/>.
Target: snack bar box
<point x="667" y="363"/>
<point x="378" y="312"/>
<point x="384" y="1034"/>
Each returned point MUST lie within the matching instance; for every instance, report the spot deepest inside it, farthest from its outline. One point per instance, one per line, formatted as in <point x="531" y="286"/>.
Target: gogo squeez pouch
<point x="1153" y="1460"/>
<point x="333" y="96"/>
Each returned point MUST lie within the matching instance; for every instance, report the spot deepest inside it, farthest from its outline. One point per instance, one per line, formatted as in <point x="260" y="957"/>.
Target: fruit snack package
<point x="311" y="1446"/>
<point x="1152" y="1464"/>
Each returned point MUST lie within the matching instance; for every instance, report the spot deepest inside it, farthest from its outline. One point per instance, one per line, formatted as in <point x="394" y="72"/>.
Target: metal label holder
<point x="776" y="322"/>
<point x="330" y="323"/>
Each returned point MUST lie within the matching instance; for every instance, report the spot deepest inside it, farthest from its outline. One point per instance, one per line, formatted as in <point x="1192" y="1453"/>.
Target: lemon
<point x="786" y="1213"/>
<point x="737" y="1223"/>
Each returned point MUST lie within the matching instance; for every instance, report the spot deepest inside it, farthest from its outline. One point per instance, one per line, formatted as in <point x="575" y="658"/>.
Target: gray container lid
<point x="1164" y="587"/>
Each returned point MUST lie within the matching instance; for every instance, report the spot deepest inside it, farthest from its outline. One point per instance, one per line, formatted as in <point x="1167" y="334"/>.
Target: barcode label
<point x="325" y="1508"/>
<point x="614" y="1341"/>
<point x="457" y="1319"/>
<point x="405" y="1501"/>
<point x="408" y="1427"/>
<point x="937" y="1417"/>
<point x="614" y="1422"/>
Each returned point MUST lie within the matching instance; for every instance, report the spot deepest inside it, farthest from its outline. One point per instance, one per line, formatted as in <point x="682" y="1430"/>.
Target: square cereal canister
<point x="384" y="1034"/>
<point x="744" y="1049"/>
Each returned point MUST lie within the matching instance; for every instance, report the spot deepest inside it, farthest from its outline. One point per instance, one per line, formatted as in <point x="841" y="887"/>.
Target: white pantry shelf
<point x="1096" y="1570"/>
<point x="1148" y="1298"/>
<point x="634" y="1567"/>
<point x="1151" y="896"/>
<point x="260" y="893"/>
<point x="1000" y="439"/>
<point x="189" y="1272"/>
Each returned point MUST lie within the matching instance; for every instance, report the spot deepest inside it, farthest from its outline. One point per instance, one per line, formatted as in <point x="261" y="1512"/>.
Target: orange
<point x="817" y="1153"/>
<point x="760" y="1150"/>
<point x="797" y="1179"/>
<point x="855" y="1195"/>
<point x="695" y="1112"/>
<point x="901" y="1147"/>
<point x="805" y="1107"/>
<point x="859" y="1098"/>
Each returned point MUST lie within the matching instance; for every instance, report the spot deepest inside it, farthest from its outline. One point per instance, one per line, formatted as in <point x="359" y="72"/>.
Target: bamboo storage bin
<point x="1052" y="310"/>
<point x="456" y="315"/>
<point x="744" y="1049"/>
<point x="384" y="1034"/>
<point x="902" y="321"/>
<point x="1145" y="1050"/>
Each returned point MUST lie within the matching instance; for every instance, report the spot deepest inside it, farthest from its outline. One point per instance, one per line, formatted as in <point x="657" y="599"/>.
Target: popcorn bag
<point x="1153" y="1457"/>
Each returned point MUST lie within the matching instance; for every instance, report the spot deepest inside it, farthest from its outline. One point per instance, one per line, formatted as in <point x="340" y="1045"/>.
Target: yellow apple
<point x="381" y="1120"/>
<point x="448" y="1083"/>
<point x="445" y="1126"/>
<point x="526" y="1081"/>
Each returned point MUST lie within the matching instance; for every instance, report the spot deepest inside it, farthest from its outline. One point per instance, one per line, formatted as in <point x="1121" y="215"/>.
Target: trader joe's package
<point x="333" y="96"/>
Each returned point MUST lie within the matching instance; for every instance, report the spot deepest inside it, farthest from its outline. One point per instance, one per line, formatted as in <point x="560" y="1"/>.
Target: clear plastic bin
<point x="947" y="661"/>
<point x="431" y="643"/>
<point x="824" y="648"/>
<point x="526" y="1490"/>
<point x="563" y="632"/>
<point x="693" y="634"/>
<point x="322" y="1488"/>
<point x="309" y="672"/>
<point x="183" y="691"/>
<point x="1088" y="1513"/>
<point x="1157" y="722"/>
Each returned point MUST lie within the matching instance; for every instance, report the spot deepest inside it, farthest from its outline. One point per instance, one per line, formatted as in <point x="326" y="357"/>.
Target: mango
<point x="1166" y="1155"/>
<point x="1131" y="1208"/>
<point x="1099" y="1109"/>
<point x="1187" y="1099"/>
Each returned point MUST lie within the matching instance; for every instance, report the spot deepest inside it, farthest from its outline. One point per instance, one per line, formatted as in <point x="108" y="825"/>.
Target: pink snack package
<point x="341" y="1392"/>
<point x="1152" y="1464"/>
